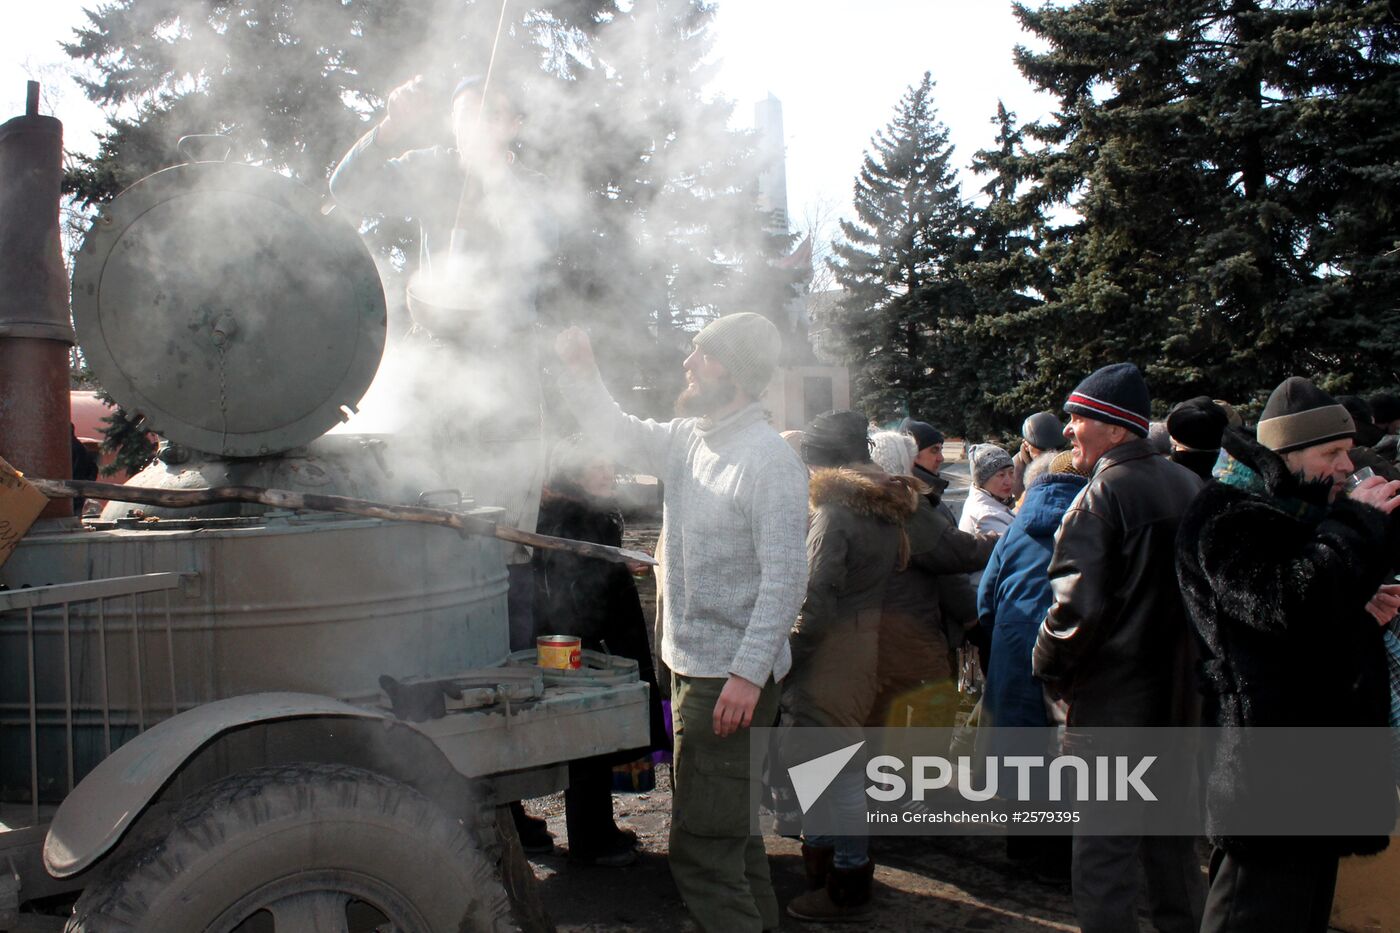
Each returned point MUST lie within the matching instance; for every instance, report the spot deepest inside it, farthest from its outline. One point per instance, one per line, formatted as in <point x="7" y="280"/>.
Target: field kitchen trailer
<point x="243" y="717"/>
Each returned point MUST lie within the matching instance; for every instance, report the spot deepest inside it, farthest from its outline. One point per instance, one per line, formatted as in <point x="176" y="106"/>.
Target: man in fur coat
<point x="1283" y="582"/>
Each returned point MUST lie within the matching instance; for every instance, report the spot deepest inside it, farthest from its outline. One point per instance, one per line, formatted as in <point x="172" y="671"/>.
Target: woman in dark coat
<point x="929" y="605"/>
<point x="596" y="600"/>
<point x="855" y="542"/>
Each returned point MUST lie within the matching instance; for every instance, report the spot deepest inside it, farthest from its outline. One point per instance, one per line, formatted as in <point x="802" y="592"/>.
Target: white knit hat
<point x="893" y="451"/>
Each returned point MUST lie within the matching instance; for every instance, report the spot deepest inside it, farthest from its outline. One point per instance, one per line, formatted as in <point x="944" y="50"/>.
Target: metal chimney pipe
<point x="35" y="328"/>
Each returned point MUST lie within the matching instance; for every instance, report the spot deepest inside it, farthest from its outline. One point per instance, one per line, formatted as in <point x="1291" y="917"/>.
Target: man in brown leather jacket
<point x="1116" y="643"/>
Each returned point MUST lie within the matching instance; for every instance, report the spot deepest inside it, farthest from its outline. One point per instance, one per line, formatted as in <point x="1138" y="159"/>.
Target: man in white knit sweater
<point x="734" y="549"/>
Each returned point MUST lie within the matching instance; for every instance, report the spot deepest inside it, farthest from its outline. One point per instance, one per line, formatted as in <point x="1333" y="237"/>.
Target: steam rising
<point x="465" y="376"/>
<point x="630" y="208"/>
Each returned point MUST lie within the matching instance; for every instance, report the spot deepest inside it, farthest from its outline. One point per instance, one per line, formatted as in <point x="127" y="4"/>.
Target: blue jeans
<point x="843" y="804"/>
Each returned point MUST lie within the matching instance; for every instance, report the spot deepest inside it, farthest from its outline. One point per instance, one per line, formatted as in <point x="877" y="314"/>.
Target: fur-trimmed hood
<point x="856" y="541"/>
<point x="866" y="490"/>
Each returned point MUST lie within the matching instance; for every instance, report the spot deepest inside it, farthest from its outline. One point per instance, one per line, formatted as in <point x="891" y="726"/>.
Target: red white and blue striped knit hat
<point x="1115" y="394"/>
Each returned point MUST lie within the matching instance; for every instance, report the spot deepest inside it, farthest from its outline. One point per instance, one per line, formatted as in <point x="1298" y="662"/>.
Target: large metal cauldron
<point x="218" y="301"/>
<point x="320" y="604"/>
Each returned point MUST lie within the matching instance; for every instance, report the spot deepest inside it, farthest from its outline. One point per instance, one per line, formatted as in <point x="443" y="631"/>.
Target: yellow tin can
<point x="560" y="652"/>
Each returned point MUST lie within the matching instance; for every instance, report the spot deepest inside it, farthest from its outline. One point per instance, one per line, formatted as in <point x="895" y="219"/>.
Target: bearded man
<point x="734" y="549"/>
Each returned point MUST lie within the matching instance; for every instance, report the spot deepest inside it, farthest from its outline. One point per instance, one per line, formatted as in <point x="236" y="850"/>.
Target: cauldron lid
<point x="217" y="300"/>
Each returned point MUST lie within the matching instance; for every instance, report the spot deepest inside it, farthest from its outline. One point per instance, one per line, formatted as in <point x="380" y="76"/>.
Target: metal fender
<point x="93" y="817"/>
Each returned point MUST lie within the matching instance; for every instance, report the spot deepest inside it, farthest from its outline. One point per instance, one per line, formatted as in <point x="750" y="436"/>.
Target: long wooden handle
<point x="286" y="499"/>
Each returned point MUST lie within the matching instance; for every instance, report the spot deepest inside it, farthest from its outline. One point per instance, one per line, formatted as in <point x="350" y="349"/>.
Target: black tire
<point x="291" y="849"/>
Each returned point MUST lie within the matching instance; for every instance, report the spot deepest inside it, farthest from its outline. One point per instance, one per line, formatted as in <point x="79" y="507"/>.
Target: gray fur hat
<point x="1159" y="437"/>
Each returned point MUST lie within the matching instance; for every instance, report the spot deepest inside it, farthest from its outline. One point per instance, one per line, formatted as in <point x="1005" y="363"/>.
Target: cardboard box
<point x="1365" y="900"/>
<point x="20" y="504"/>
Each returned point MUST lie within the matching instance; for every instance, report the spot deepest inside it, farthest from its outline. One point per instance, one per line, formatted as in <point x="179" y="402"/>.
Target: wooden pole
<point x="286" y="499"/>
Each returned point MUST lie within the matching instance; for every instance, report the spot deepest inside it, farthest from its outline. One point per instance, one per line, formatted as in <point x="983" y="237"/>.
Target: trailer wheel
<point x="301" y="849"/>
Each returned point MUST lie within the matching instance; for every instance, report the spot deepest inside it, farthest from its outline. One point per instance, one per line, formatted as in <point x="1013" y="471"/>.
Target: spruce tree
<point x="670" y="235"/>
<point x="897" y="265"/>
<point x="1233" y="165"/>
<point x="1008" y="277"/>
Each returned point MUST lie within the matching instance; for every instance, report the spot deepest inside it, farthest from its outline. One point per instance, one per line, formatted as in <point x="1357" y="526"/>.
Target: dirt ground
<point x="923" y="883"/>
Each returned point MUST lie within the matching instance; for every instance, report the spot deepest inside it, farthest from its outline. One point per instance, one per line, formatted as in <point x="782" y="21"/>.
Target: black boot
<point x="816" y="864"/>
<point x="535" y="837"/>
<point x="845" y="897"/>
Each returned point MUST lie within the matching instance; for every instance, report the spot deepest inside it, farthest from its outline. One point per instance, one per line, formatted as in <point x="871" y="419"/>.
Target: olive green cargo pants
<point x="720" y="869"/>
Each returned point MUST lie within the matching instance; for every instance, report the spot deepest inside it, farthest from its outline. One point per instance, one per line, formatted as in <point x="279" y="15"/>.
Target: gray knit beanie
<point x="747" y="344"/>
<point x="987" y="460"/>
<point x="1043" y="431"/>
<point x="1299" y="414"/>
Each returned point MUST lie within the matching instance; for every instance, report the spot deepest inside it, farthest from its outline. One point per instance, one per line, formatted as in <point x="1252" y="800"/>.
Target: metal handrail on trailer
<point x="30" y="599"/>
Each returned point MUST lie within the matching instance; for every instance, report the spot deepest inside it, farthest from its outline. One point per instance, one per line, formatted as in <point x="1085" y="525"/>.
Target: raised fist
<point x="575" y="351"/>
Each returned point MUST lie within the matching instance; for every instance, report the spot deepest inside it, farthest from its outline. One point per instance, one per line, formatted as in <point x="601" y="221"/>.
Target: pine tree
<point x="897" y="264"/>
<point x="672" y="235"/>
<point x="1233" y="165"/>
<point x="1008" y="278"/>
<point x="126" y="438"/>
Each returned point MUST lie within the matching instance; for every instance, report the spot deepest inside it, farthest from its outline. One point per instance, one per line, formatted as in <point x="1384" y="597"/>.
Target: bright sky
<point x="29" y="50"/>
<point x="838" y="66"/>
